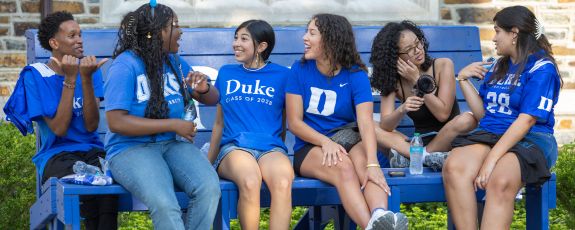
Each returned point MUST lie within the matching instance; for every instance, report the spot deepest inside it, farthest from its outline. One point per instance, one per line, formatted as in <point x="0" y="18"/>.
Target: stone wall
<point x="16" y="16"/>
<point x="557" y="16"/>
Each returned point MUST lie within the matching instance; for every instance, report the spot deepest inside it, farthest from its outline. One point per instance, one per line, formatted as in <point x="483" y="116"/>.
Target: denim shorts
<point x="547" y="143"/>
<point x="257" y="154"/>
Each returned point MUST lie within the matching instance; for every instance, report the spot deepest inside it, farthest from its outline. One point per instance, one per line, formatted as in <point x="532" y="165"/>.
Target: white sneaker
<point x="401" y="222"/>
<point x="381" y="220"/>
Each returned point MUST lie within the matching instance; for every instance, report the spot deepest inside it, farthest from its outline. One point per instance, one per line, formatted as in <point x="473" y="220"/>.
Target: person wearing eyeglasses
<point x="399" y="58"/>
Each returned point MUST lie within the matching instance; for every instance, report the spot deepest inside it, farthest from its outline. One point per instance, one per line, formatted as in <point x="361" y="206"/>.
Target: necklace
<point x="255" y="69"/>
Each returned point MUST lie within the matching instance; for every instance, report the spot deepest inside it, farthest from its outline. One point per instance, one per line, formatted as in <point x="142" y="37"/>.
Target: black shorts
<point x="61" y="164"/>
<point x="534" y="169"/>
<point x="300" y="155"/>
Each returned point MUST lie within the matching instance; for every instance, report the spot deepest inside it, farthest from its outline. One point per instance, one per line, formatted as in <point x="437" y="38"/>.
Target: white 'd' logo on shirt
<point x="328" y="107"/>
<point x="171" y="87"/>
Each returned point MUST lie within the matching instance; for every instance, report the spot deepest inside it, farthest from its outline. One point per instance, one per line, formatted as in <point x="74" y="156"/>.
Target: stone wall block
<point x="4" y="19"/>
<point x="556" y="34"/>
<point x="31" y="7"/>
<point x="21" y="27"/>
<point x="4" y="31"/>
<point x="87" y="20"/>
<point x="486" y="33"/>
<point x="17" y="60"/>
<point x="15" y="44"/>
<point x="72" y="7"/>
<point x="94" y="9"/>
<point x="445" y="14"/>
<point x="8" y="7"/>
<point x="562" y="50"/>
<point x="476" y="15"/>
<point x="554" y="18"/>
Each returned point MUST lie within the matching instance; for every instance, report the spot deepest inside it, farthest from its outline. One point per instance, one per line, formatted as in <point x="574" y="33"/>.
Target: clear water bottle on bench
<point x="190" y="115"/>
<point x="416" y="155"/>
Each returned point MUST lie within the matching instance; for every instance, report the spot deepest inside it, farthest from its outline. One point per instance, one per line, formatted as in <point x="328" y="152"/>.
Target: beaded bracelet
<point x="68" y="85"/>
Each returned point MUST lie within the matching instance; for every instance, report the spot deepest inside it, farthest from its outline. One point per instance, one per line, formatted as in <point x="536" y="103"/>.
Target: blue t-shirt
<point x="126" y="88"/>
<point x="535" y="94"/>
<point x="43" y="93"/>
<point x="252" y="103"/>
<point x="328" y="102"/>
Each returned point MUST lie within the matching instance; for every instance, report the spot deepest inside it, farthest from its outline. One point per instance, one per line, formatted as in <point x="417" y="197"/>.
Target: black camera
<point x="424" y="85"/>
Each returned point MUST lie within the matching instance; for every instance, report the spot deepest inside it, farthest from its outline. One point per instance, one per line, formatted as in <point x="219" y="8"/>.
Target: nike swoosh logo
<point x="342" y="84"/>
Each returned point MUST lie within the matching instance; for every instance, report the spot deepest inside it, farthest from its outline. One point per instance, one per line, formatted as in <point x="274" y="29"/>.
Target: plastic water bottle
<point x="81" y="168"/>
<point x="416" y="155"/>
<point x="190" y="115"/>
<point x="488" y="66"/>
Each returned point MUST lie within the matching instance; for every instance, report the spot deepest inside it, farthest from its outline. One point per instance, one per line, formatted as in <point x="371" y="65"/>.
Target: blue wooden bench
<point x="57" y="204"/>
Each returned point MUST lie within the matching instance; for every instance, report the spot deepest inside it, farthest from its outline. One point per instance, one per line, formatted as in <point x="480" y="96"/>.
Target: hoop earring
<point x="257" y="60"/>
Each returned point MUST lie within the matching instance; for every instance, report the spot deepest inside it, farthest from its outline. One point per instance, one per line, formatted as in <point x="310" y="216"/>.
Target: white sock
<point x="425" y="153"/>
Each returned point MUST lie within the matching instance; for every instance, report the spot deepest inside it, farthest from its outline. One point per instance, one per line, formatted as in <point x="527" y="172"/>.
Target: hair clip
<point x="149" y="35"/>
<point x="539" y="29"/>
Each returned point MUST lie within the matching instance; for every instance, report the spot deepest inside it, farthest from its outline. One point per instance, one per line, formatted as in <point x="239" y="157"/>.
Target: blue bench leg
<point x="70" y="209"/>
<point x="394" y="202"/>
<point x="537" y="207"/>
<point x="342" y="220"/>
<point x="222" y="220"/>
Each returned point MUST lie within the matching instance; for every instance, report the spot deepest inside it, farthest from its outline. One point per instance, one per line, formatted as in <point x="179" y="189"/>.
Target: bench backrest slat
<point x="211" y="47"/>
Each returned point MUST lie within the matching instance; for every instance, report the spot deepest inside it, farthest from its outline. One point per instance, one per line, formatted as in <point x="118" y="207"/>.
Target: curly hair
<point x="338" y="42"/>
<point x="524" y="20"/>
<point x="141" y="33"/>
<point x="260" y="31"/>
<point x="385" y="53"/>
<point x="50" y="25"/>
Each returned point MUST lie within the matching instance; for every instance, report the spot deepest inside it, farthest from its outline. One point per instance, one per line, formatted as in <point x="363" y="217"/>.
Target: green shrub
<point x="565" y="170"/>
<point x="17" y="177"/>
<point x="18" y="182"/>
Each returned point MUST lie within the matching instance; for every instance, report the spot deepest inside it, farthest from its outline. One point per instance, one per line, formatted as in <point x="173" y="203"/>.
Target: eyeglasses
<point x="411" y="51"/>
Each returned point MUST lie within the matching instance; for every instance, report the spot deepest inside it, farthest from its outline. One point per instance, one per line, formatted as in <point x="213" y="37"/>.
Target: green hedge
<point x="18" y="182"/>
<point x="565" y="170"/>
<point x="17" y="177"/>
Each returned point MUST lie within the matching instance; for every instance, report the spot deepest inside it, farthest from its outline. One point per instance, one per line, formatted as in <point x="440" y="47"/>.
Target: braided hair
<point x="385" y="53"/>
<point x="338" y="42"/>
<point x="141" y="33"/>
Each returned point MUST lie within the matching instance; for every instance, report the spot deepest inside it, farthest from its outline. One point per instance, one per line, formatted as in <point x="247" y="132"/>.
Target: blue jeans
<point x="547" y="143"/>
<point x="150" y="171"/>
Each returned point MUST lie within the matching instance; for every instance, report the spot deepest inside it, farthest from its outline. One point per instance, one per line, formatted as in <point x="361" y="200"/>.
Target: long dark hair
<point x="141" y="33"/>
<point x="527" y="42"/>
<point x="260" y="31"/>
<point x="338" y="42"/>
<point x="385" y="53"/>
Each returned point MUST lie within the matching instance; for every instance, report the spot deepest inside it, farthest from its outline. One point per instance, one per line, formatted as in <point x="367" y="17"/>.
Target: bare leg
<point x="460" y="124"/>
<point x="374" y="195"/>
<point x="393" y="140"/>
<point x="459" y="171"/>
<point x="242" y="168"/>
<point x="278" y="174"/>
<point x="345" y="180"/>
<point x="503" y="185"/>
